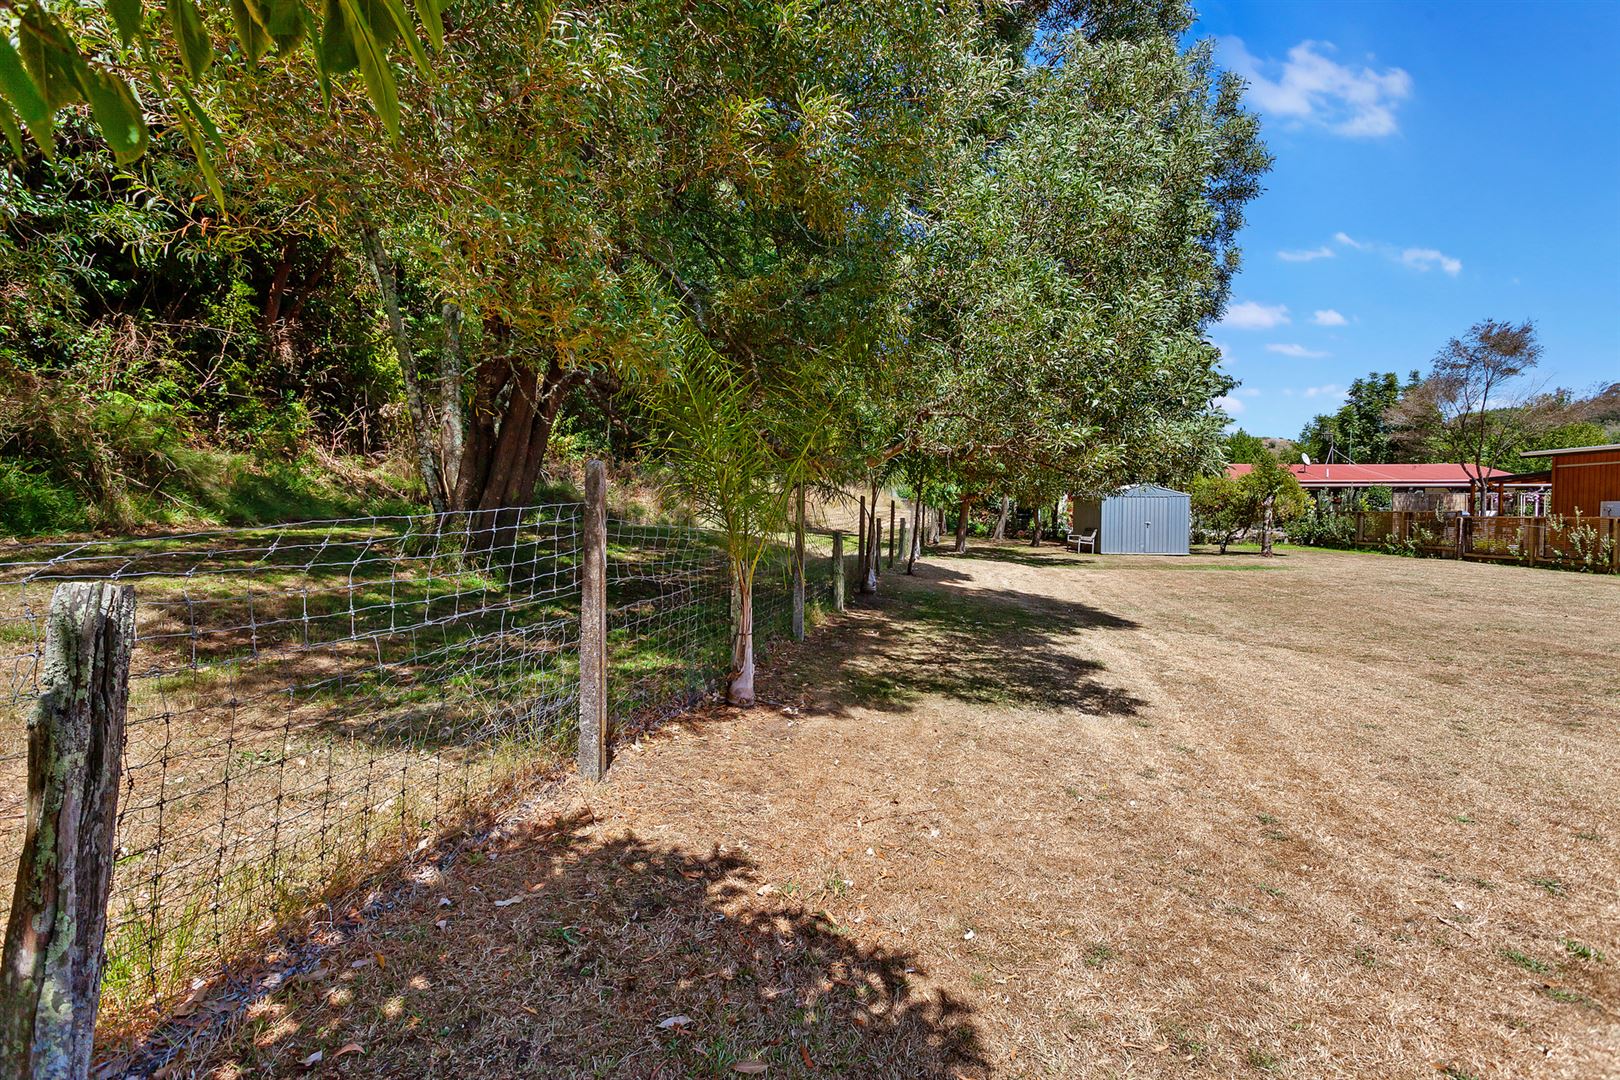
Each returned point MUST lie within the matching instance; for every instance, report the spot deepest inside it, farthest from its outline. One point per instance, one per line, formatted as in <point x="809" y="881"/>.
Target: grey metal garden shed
<point x="1142" y="519"/>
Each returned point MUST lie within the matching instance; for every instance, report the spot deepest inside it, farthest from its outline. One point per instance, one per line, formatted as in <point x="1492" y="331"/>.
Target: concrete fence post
<point x="593" y="704"/>
<point x="798" y="565"/>
<point x="50" y="983"/>
<point x="838" y="570"/>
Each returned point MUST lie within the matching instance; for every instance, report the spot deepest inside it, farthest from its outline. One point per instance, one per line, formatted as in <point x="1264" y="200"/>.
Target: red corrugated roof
<point x="1430" y="475"/>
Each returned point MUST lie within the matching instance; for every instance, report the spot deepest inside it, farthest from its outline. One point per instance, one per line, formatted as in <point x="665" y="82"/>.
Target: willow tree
<point x="1064" y="271"/>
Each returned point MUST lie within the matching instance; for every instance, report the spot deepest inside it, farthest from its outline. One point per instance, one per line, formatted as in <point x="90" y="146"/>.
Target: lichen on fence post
<point x="50" y="984"/>
<point x="593" y="717"/>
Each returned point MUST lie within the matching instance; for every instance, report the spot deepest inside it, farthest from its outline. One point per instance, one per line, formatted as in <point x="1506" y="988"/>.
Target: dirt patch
<point x="1036" y="814"/>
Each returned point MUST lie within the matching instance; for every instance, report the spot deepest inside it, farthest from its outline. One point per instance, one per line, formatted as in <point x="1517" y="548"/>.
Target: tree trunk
<point x="962" y="524"/>
<point x="1265" y="528"/>
<point x="383" y="273"/>
<point x="740" y="690"/>
<point x="451" y="421"/>
<point x="1001" y="519"/>
<point x="1035" y="528"/>
<point x="505" y="446"/>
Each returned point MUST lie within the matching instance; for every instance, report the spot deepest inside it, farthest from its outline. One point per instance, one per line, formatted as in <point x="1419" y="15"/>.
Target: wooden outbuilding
<point x="1585" y="480"/>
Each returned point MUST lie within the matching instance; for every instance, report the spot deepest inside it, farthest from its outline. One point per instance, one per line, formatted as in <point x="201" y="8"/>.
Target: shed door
<point x="1151" y="515"/>
<point x="1162" y="525"/>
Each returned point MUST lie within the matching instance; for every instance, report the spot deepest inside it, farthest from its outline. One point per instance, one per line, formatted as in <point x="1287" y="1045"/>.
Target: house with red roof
<point x="1427" y="486"/>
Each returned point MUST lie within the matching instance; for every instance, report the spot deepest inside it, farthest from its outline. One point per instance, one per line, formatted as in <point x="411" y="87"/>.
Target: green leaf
<point x="283" y="20"/>
<point x="204" y="121"/>
<point x="126" y="16"/>
<point x="52" y="60"/>
<point x="117" y="114"/>
<point x="24" y="96"/>
<point x="431" y="14"/>
<point x="337" y="53"/>
<point x="400" y="19"/>
<point x="199" y="147"/>
<point x="8" y="124"/>
<point x="196" y="51"/>
<point x="381" y="21"/>
<point x="374" y="68"/>
<point x="254" y="38"/>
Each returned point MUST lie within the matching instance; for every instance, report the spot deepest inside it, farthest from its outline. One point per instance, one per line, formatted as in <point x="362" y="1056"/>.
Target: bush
<point x="31" y="504"/>
<point x="1323" y="528"/>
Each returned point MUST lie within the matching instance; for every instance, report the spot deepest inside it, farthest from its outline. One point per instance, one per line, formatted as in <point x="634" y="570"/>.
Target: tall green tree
<point x="1063" y="268"/>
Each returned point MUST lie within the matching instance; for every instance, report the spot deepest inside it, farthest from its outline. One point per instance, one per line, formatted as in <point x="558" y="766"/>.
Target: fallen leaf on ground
<point x="509" y="901"/>
<point x="805" y="1054"/>
<point x="313" y="1060"/>
<point x="349" y="1048"/>
<point x="752" y="1068"/>
<point x="674" y="1021"/>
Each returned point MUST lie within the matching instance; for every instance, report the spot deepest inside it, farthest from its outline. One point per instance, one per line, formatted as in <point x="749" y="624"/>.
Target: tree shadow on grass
<point x="983" y="646"/>
<point x="564" y="954"/>
<point x="1022" y="554"/>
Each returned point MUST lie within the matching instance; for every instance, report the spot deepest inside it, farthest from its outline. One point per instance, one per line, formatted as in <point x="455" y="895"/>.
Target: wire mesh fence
<point x="304" y="700"/>
<point x="309" y="701"/>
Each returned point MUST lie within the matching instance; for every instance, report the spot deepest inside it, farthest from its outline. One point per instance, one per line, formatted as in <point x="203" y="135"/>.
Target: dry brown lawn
<point x="1035" y="814"/>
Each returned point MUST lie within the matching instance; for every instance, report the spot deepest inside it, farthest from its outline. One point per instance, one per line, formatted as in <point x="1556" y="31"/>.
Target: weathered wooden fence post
<point x="50" y="985"/>
<point x="905" y="551"/>
<point x="838" y="570"/>
<point x="891" y="534"/>
<point x="798" y="566"/>
<point x="876" y="570"/>
<point x="593" y="704"/>
<point x="860" y="545"/>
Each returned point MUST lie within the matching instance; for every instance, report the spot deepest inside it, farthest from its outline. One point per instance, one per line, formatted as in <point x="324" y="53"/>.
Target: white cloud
<point x="1247" y="391"/>
<point x="1428" y="258"/>
<point x="1311" y="87"/>
<point x="1228" y="404"/>
<point x="1252" y="316"/>
<point x="1417" y="258"/>
<point x="1298" y="352"/>
<point x="1329" y="317"/>
<point x="1307" y="254"/>
<point x="1330" y="390"/>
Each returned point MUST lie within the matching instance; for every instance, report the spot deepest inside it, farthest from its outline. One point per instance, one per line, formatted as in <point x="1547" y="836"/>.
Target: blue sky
<point x="1437" y="164"/>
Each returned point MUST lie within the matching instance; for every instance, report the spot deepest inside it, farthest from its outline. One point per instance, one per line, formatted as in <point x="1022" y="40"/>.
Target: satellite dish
<point x="1305" y="459"/>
